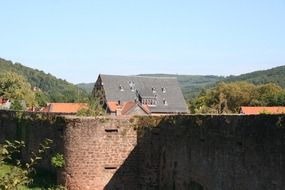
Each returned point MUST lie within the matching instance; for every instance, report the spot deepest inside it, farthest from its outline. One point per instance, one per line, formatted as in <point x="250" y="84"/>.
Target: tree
<point x="16" y="88"/>
<point x="269" y="94"/>
<point x="229" y="97"/>
<point x="19" y="173"/>
<point x="94" y="108"/>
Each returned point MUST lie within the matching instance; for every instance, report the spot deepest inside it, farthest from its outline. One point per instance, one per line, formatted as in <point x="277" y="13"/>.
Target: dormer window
<point x="163" y="90"/>
<point x="132" y="86"/>
<point x="121" y="88"/>
<point x="164" y="102"/>
<point x="153" y="90"/>
<point x="131" y="83"/>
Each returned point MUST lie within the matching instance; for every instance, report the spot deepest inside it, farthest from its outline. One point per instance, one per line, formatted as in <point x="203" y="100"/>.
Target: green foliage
<point x="16" y="105"/>
<point x="265" y="112"/>
<point x="55" y="90"/>
<point x="94" y="108"/>
<point x="41" y="98"/>
<point x="19" y="173"/>
<point x="57" y="161"/>
<point x="16" y="87"/>
<point x="229" y="97"/>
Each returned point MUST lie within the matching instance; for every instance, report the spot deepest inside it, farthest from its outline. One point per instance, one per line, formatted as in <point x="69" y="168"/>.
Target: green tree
<point x="41" y="98"/>
<point x="15" y="87"/>
<point x="269" y="94"/>
<point x="229" y="97"/>
<point x="94" y="108"/>
<point x="19" y="173"/>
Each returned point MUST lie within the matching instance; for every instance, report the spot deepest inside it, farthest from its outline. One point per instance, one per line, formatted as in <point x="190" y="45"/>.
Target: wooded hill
<point x="56" y="90"/>
<point x="275" y="75"/>
<point x="192" y="85"/>
<point x="59" y="90"/>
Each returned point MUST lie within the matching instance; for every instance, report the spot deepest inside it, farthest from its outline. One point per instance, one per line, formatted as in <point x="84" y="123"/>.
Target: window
<point x="164" y="102"/>
<point x="153" y="90"/>
<point x="121" y="88"/>
<point x="163" y="90"/>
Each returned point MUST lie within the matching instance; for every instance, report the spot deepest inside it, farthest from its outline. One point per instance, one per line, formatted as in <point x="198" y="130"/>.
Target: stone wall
<point x="95" y="149"/>
<point x="200" y="152"/>
<point x="214" y="153"/>
<point x="33" y="129"/>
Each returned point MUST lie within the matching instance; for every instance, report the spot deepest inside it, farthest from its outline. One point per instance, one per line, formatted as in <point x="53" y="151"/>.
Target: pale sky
<point x="78" y="39"/>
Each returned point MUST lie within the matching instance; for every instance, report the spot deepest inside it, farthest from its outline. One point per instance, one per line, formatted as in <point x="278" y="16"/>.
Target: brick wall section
<point x="95" y="149"/>
<point x="218" y="152"/>
<point x="8" y="125"/>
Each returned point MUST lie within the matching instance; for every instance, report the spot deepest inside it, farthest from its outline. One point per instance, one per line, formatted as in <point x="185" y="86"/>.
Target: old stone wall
<point x="214" y="153"/>
<point x="95" y="150"/>
<point x="196" y="152"/>
<point x="33" y="129"/>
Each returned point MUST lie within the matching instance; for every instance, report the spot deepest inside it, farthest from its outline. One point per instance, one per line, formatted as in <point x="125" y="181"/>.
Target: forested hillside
<point x="56" y="90"/>
<point x="275" y="75"/>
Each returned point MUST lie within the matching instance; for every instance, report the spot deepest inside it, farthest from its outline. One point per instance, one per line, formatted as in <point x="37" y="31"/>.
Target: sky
<point x="78" y="39"/>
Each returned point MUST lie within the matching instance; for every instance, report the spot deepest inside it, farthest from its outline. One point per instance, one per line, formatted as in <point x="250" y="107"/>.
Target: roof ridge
<point x="137" y="76"/>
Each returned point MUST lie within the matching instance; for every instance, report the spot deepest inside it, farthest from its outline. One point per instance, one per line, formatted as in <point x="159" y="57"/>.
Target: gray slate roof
<point x="144" y="85"/>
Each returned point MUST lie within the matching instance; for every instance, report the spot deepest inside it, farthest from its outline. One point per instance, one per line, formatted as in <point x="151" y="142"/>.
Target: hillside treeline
<point x="55" y="90"/>
<point x="229" y="97"/>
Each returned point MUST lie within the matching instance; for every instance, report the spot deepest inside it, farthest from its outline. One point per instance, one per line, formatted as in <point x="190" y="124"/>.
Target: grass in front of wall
<point x="42" y="181"/>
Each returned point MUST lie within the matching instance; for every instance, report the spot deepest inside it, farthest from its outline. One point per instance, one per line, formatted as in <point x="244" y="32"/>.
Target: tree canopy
<point x="229" y="97"/>
<point x="16" y="88"/>
<point x="54" y="90"/>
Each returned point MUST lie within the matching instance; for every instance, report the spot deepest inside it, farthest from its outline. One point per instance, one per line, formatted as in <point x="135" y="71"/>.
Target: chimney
<point x="119" y="108"/>
<point x="119" y="111"/>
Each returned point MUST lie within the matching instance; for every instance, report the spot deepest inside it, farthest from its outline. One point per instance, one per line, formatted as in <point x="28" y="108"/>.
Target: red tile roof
<point x="258" y="110"/>
<point x="3" y="101"/>
<point x="126" y="106"/>
<point x="112" y="106"/>
<point x="64" y="107"/>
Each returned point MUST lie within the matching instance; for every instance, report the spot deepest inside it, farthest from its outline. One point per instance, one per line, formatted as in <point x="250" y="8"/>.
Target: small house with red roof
<point x="5" y="103"/>
<point x="254" y="110"/>
<point x="127" y="108"/>
<point x="70" y="108"/>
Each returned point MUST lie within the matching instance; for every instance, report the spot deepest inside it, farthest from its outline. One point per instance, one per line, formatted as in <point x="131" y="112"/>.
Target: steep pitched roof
<point x="250" y="110"/>
<point x="112" y="106"/>
<point x="125" y="88"/>
<point x="128" y="106"/>
<point x="64" y="107"/>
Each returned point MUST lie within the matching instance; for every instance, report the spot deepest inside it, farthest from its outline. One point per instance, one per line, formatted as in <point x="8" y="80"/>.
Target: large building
<point x="137" y="95"/>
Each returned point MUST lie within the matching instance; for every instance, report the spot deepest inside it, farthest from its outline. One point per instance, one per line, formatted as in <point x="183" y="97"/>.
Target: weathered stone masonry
<point x="96" y="149"/>
<point x="175" y="152"/>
